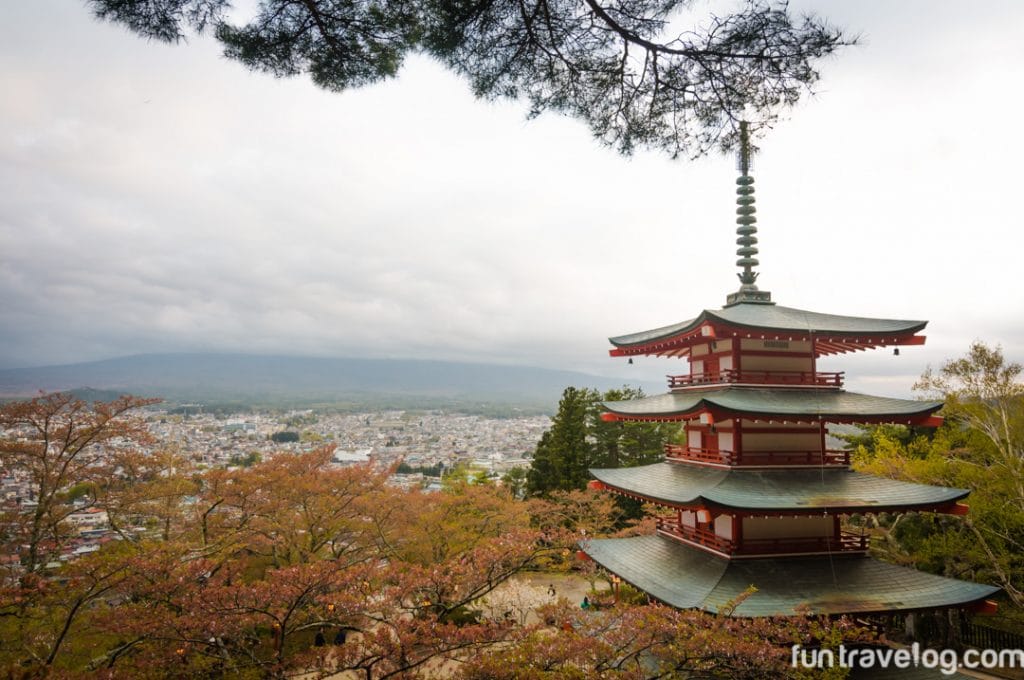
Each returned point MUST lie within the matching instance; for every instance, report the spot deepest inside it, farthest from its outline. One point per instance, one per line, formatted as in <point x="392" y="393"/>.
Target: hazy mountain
<point x="265" y="379"/>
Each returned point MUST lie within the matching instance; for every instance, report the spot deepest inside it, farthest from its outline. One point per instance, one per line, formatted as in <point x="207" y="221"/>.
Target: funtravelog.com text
<point x="947" y="661"/>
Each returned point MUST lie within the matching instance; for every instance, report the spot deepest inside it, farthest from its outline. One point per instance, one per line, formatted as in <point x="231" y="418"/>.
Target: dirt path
<point x="522" y="594"/>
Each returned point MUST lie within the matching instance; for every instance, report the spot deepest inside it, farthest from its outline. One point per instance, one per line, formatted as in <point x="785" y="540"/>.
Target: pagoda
<point x="755" y="496"/>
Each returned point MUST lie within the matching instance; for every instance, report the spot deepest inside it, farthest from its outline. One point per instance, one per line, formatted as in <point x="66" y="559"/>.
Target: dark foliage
<point x="579" y="440"/>
<point x="611" y="64"/>
<point x="284" y="437"/>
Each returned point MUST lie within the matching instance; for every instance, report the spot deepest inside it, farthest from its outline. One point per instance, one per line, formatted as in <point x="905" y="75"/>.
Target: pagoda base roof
<point x="689" y="578"/>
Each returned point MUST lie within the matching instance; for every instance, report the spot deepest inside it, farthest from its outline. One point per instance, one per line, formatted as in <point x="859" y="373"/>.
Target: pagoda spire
<point x="746" y="228"/>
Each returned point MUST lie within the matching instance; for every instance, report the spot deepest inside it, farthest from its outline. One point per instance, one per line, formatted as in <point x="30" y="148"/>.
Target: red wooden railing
<point x="683" y="452"/>
<point x="813" y="457"/>
<point x="837" y="457"/>
<point x="846" y="542"/>
<point x="697" y="535"/>
<point x="728" y="375"/>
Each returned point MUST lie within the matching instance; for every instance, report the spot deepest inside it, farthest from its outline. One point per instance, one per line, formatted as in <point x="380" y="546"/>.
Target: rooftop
<point x="775" y="403"/>
<point x="831" y="333"/>
<point x="689" y="578"/>
<point x="788" y="490"/>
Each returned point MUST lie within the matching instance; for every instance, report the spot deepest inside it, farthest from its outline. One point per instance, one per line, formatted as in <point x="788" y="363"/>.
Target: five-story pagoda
<point x="755" y="496"/>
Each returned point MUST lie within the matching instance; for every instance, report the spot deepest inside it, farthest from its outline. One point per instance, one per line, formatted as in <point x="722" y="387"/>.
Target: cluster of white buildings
<point x="420" y="439"/>
<point x="425" y="441"/>
<point x="85" y="528"/>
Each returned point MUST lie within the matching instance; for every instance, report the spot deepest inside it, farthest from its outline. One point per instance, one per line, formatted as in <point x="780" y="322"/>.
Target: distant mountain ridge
<point x="256" y="378"/>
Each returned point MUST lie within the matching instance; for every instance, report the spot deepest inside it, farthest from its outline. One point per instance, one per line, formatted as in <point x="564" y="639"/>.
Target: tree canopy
<point x="978" y="448"/>
<point x="579" y="439"/>
<point x="247" y="572"/>
<point x="620" y="66"/>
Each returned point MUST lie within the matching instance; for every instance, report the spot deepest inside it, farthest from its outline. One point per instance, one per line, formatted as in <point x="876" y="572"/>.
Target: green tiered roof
<point x="786" y="490"/>
<point x="776" y="402"/>
<point x="773" y="318"/>
<point x="689" y="578"/>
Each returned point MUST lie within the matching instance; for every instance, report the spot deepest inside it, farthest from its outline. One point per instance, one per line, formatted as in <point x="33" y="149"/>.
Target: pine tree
<point x="623" y="444"/>
<point x="579" y="440"/>
<point x="564" y="453"/>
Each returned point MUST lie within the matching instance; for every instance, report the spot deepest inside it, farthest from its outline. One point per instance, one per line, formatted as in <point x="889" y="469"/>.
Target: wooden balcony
<point x="694" y="454"/>
<point x="784" y="378"/>
<point x="828" y="458"/>
<point x="846" y="542"/>
<point x="749" y="547"/>
<point x="708" y="539"/>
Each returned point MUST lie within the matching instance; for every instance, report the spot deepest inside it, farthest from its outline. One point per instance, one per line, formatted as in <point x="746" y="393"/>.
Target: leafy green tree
<point x="609" y="64"/>
<point x="515" y="481"/>
<point x="984" y="393"/>
<point x="978" y="448"/>
<point x="868" y="436"/>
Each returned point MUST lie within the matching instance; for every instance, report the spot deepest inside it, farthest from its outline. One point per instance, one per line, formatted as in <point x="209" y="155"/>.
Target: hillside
<point x="304" y="380"/>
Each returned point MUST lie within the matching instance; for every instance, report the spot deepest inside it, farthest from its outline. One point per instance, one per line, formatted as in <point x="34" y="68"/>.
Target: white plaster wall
<point x="762" y="363"/>
<point x="786" y="527"/>
<point x="723" y="526"/>
<point x="791" y="345"/>
<point x="783" y="441"/>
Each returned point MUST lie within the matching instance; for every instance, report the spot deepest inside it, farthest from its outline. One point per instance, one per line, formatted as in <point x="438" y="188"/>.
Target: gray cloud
<point x="158" y="198"/>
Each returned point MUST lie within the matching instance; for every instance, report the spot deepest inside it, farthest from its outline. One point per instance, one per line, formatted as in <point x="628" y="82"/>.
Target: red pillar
<point x="737" y="440"/>
<point x="821" y="434"/>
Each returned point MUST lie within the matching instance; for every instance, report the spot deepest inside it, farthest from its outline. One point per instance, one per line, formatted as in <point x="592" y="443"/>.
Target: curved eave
<point x="675" y="339"/>
<point x="834" y="406"/>
<point x="831" y="334"/>
<point x="689" y="578"/>
<point x="786" y="491"/>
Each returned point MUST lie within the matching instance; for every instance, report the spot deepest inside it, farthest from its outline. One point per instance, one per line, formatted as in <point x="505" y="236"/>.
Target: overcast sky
<point x="159" y="198"/>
